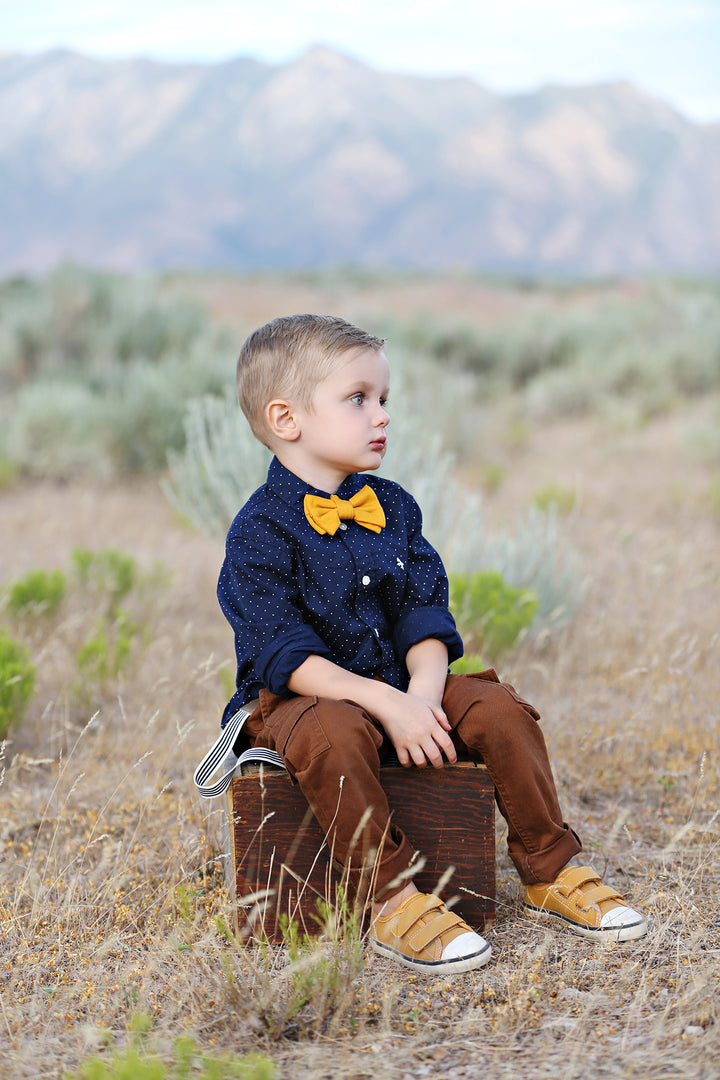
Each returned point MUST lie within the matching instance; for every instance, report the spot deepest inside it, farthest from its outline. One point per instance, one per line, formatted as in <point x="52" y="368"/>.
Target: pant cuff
<point x="542" y="867"/>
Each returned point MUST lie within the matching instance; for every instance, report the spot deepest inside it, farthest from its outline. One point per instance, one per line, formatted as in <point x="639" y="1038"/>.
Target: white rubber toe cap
<point x="469" y="944"/>
<point x="621" y="916"/>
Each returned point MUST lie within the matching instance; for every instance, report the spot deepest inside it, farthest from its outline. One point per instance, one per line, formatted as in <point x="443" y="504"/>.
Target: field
<point x="112" y="903"/>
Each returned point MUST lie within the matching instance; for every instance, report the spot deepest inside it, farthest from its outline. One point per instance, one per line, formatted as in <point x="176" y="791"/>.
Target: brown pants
<point x="333" y="750"/>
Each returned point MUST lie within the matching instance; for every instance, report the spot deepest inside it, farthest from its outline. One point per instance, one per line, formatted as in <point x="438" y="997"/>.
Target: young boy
<point x="343" y="639"/>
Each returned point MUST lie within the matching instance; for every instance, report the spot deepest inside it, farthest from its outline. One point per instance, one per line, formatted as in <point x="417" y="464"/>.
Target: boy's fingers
<point x="448" y="748"/>
<point x="441" y="718"/>
<point x="433" y="755"/>
<point x="419" y="757"/>
<point x="440" y="745"/>
<point x="429" y="743"/>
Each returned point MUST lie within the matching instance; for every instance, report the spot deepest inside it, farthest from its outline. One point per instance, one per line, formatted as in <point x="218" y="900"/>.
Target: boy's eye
<point x="361" y="397"/>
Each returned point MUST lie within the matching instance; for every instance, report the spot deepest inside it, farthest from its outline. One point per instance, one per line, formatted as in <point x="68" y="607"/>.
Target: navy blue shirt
<point x="359" y="598"/>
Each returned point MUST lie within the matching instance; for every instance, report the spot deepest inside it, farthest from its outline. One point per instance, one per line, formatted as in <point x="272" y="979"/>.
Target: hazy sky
<point x="669" y="47"/>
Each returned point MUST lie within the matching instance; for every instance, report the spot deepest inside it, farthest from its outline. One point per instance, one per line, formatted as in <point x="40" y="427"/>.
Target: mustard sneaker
<point x="422" y="934"/>
<point x="578" y="898"/>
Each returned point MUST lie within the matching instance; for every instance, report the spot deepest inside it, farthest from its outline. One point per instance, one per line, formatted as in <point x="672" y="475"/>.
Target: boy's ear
<point x="282" y="421"/>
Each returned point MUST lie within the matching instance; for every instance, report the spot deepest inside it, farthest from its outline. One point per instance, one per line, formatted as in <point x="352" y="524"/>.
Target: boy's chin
<point x="371" y="466"/>
<point x="369" y="461"/>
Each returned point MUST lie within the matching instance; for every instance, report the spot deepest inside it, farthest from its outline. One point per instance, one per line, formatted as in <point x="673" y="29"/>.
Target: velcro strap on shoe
<point x="575" y="877"/>
<point x="601" y="892"/>
<point x="425" y="935"/>
<point x="413" y="909"/>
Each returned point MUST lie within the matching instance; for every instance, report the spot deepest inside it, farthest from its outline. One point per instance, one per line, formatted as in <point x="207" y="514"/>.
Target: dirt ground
<point x="100" y="824"/>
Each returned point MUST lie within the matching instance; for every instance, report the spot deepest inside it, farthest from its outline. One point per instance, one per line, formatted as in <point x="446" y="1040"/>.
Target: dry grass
<point x="111" y="883"/>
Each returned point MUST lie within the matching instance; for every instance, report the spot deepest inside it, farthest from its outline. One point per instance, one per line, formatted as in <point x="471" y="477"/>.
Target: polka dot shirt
<point x="359" y="598"/>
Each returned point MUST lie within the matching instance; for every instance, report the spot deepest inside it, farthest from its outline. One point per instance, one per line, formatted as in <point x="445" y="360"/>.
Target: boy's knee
<point x="474" y="700"/>
<point x="517" y="705"/>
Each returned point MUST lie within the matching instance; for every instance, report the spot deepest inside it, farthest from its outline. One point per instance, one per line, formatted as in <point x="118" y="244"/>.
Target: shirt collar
<point x="292" y="490"/>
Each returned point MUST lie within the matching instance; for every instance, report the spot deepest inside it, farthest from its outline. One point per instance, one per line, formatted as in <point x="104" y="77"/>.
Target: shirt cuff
<point x="284" y="654"/>
<point x="428" y="622"/>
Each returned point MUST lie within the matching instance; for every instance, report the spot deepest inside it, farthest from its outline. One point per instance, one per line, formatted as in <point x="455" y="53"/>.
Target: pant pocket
<point x="292" y="728"/>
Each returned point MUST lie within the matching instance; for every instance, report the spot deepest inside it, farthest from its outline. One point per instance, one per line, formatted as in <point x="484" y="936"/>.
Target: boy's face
<point x="344" y="430"/>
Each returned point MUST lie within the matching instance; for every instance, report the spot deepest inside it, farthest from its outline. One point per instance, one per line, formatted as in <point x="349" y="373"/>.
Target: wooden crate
<point x="277" y="852"/>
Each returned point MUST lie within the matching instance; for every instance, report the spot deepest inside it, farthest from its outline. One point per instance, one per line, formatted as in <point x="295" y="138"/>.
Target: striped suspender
<point x="221" y="755"/>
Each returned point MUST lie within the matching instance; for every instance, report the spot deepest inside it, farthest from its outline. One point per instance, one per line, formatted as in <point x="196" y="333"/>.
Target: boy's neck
<point x="327" y="480"/>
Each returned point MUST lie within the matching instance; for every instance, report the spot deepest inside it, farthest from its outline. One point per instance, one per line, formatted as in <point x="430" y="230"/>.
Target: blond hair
<point x="288" y="357"/>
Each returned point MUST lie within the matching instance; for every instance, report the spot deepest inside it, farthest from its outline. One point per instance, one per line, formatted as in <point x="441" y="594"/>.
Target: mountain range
<point x="324" y="161"/>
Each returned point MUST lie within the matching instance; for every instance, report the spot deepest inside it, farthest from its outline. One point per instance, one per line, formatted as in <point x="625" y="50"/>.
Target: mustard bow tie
<point x="325" y="515"/>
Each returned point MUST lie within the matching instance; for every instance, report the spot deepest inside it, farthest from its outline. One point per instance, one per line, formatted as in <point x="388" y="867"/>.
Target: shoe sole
<point x="629" y="932"/>
<point x="434" y="967"/>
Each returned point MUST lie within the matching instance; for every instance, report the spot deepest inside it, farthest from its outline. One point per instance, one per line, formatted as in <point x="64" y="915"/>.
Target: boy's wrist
<point x="380" y="697"/>
<point x="431" y="689"/>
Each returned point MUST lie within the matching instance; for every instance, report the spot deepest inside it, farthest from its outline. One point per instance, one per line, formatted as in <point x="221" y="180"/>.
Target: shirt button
<point x="343" y="526"/>
<point x="366" y="580"/>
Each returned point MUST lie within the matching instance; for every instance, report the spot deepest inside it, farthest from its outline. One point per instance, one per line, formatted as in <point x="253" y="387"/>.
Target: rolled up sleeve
<point x="286" y="652"/>
<point x="428" y="622"/>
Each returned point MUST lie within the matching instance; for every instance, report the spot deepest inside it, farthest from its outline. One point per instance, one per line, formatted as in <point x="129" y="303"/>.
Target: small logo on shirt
<point x="400" y="563"/>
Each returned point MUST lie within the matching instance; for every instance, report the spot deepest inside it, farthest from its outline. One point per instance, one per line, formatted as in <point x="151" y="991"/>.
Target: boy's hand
<point x="414" y="721"/>
<point x="418" y="729"/>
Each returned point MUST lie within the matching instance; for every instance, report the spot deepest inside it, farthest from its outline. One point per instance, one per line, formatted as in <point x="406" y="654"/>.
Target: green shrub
<point x="109" y="572"/>
<point x="104" y="654"/>
<point x="490" y="613"/>
<point x="493" y="475"/>
<point x="8" y="472"/>
<point x="468" y="664"/>
<point x="38" y="591"/>
<point x="111" y="578"/>
<point x="17" y="681"/>
<point x="107" y="607"/>
<point x="564" y="499"/>
<point x="137" y="1062"/>
<point x="97" y="369"/>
